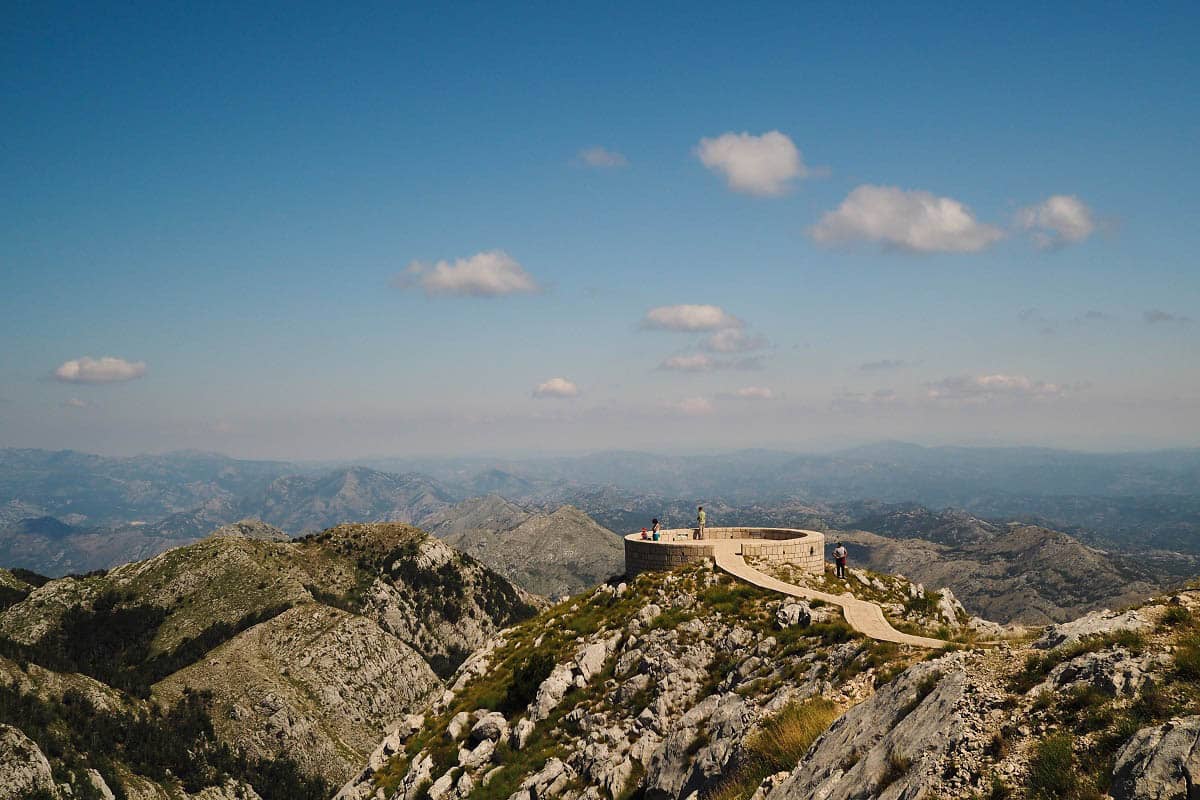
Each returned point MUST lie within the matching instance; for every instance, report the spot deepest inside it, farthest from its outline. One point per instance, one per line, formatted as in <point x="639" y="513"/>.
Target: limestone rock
<point x="904" y="723"/>
<point x="492" y="726"/>
<point x="24" y="769"/>
<point x="1096" y="623"/>
<point x="1159" y="763"/>
<point x="789" y="614"/>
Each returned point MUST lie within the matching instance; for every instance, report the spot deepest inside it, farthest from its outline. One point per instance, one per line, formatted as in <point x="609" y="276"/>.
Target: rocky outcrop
<point x="889" y="746"/>
<point x="24" y="770"/>
<point x="555" y="555"/>
<point x="1097" y="623"/>
<point x="1160" y="763"/>
<point x="315" y="683"/>
<point x="252" y="529"/>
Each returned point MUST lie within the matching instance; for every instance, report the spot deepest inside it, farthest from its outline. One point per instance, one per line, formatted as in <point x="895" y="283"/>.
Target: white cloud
<point x="602" y="158"/>
<point x="861" y="401"/>
<point x="986" y="388"/>
<point x="1057" y="221"/>
<point x="556" y="387"/>
<point x="755" y="393"/>
<point x="491" y="273"/>
<point x="694" y="406"/>
<point x="733" y="340"/>
<point x="75" y="402"/>
<point x="761" y="165"/>
<point x="690" y="318"/>
<point x="107" y="369"/>
<point x="1157" y="316"/>
<point x="916" y="221"/>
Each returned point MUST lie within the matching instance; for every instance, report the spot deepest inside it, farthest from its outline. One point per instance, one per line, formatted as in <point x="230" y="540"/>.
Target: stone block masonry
<point x="800" y="548"/>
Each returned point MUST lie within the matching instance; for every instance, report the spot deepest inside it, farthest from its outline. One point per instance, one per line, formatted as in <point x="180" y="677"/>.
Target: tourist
<point x="654" y="528"/>
<point x="700" y="522"/>
<point x="839" y="558"/>
<point x="644" y="532"/>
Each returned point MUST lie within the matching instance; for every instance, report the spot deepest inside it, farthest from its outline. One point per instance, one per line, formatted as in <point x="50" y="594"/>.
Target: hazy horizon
<point x="327" y="234"/>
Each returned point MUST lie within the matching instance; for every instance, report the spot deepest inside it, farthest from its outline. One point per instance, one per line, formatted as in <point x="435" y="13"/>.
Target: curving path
<point x="864" y="616"/>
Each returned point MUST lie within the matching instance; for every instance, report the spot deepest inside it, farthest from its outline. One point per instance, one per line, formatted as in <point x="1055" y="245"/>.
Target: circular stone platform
<point x="800" y="548"/>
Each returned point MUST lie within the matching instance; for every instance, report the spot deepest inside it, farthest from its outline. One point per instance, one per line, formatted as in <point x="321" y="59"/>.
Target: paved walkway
<point x="865" y="617"/>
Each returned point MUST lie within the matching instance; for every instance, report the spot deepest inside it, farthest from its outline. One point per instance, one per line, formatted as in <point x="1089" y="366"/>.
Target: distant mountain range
<point x="66" y="512"/>
<point x="553" y="554"/>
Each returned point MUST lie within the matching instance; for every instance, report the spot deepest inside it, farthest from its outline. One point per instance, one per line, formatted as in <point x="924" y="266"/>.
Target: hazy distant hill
<point x="301" y="502"/>
<point x="551" y="554"/>
<point x="1008" y="573"/>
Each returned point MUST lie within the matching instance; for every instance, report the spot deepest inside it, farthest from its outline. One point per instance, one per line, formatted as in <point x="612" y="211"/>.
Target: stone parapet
<point x="803" y="549"/>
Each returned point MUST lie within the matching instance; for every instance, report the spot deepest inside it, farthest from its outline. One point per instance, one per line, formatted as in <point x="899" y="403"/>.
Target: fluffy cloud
<point x="690" y="318"/>
<point x="916" y="221"/>
<point x="1157" y="316"/>
<point x="556" y="387"/>
<point x="694" y="406"/>
<point x="107" y="369"/>
<point x="602" y="157"/>
<point x="75" y="402"/>
<point x="491" y="273"/>
<point x="986" y="388"/>
<point x="861" y="401"/>
<point x="733" y="340"/>
<point x="761" y="165"/>
<point x="755" y="393"/>
<point x="883" y="365"/>
<point x="1057" y="221"/>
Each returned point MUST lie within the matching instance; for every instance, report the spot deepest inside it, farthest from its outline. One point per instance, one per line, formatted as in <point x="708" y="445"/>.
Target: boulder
<point x="1097" y="623"/>
<point x="458" y="724"/>
<point x="521" y="733"/>
<point x="492" y="726"/>
<point x="791" y="614"/>
<point x="551" y="692"/>
<point x="590" y="660"/>
<point x="1159" y="763"/>
<point x="24" y="769"/>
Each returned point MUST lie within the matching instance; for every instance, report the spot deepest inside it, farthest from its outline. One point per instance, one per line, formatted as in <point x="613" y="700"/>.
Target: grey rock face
<point x="1097" y="623"/>
<point x="492" y="726"/>
<point x="880" y="747"/>
<point x="1159" y="763"/>
<point x="24" y="769"/>
<point x="790" y="614"/>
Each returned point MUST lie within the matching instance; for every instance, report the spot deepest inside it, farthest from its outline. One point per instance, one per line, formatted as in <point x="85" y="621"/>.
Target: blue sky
<point x="993" y="210"/>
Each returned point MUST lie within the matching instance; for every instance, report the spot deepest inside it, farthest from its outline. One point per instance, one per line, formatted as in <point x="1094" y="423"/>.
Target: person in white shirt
<point x="839" y="558"/>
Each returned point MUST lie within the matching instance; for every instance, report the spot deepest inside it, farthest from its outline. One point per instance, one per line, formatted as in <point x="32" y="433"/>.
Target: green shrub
<point x="1187" y="659"/>
<point x="1176" y="617"/>
<point x="1052" y="774"/>
<point x="527" y="677"/>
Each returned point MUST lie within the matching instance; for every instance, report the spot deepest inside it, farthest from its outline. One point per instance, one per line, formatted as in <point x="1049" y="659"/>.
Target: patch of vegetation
<point x="29" y="576"/>
<point x="1187" y="658"/>
<point x="898" y="766"/>
<point x="1177" y="617"/>
<point x="111" y="643"/>
<point x="162" y="745"/>
<point x="10" y="596"/>
<point x="526" y="679"/>
<point x="1053" y="774"/>
<point x="779" y="745"/>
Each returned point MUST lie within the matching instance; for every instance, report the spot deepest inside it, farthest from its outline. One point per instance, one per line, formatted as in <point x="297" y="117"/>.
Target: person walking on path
<point x="839" y="558"/>
<point x="700" y="520"/>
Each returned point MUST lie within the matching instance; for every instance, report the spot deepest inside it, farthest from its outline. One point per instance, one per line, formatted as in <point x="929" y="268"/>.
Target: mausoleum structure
<point x="802" y="549"/>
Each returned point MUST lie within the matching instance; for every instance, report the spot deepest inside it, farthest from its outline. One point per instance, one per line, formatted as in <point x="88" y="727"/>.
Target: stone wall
<point x="801" y="548"/>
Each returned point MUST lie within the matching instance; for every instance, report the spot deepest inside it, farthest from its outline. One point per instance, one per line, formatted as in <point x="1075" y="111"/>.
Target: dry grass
<point x="780" y="744"/>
